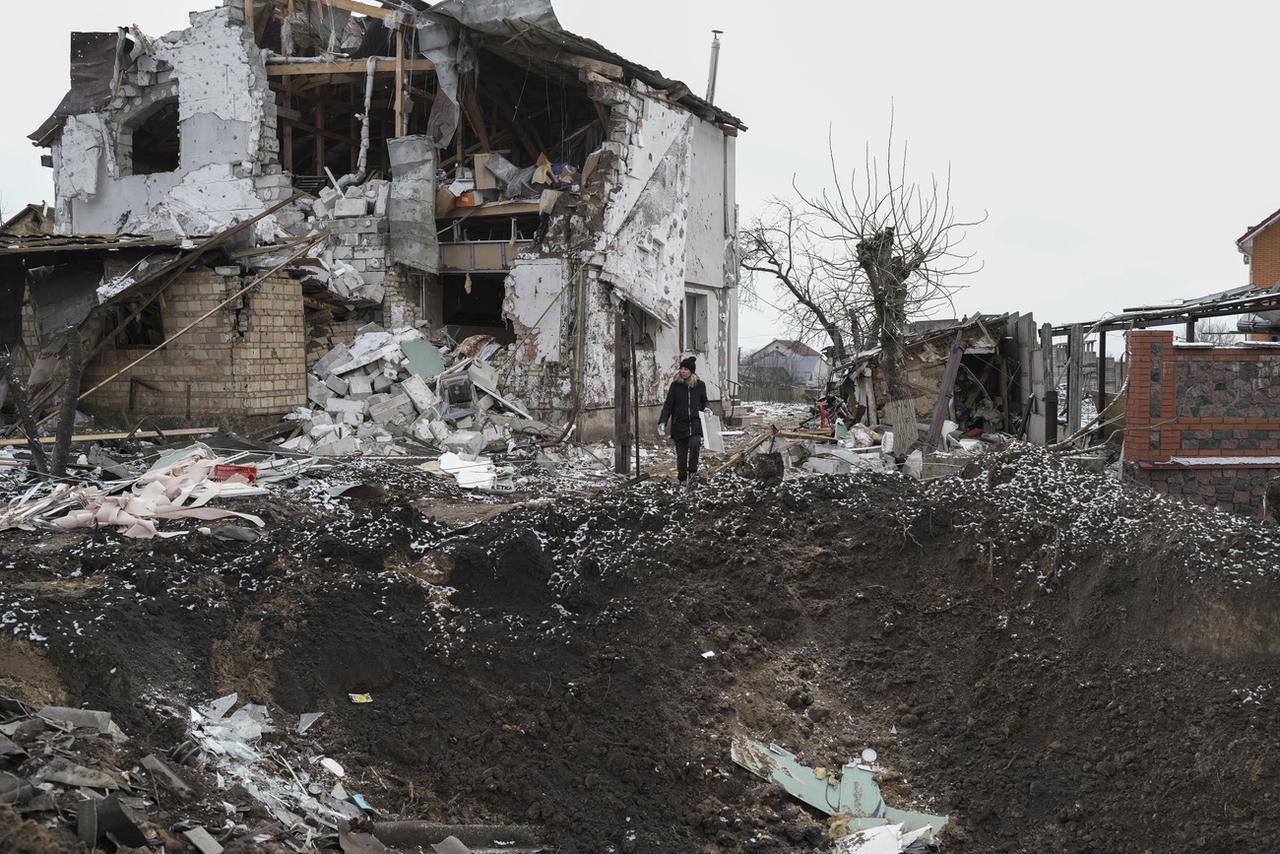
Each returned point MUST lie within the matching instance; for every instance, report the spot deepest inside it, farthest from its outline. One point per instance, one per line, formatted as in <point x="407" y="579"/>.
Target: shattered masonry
<point x="612" y="195"/>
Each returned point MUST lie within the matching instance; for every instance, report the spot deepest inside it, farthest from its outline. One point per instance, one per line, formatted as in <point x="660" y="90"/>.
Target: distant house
<point x="32" y="220"/>
<point x="1260" y="246"/>
<point x="783" y="369"/>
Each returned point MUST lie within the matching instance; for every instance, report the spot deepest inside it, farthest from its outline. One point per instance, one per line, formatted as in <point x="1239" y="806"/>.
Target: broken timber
<point x="737" y="458"/>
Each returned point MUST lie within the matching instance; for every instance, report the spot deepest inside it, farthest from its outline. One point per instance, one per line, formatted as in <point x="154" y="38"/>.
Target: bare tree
<point x="863" y="257"/>
<point x="1218" y="330"/>
<point x="782" y="246"/>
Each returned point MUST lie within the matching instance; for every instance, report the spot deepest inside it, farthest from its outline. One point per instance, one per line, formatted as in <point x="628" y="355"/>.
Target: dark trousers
<point x="687" y="456"/>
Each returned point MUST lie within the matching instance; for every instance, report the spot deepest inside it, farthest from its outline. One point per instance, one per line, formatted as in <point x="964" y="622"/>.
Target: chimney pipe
<point x="715" y="65"/>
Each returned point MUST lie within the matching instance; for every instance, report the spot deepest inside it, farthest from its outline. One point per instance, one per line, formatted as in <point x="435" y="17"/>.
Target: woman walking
<point x="686" y="399"/>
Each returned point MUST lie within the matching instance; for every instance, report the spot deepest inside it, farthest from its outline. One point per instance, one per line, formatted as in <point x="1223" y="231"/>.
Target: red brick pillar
<point x="1149" y="402"/>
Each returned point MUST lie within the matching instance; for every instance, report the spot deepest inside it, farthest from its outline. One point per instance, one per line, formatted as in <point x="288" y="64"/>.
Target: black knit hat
<point x="691" y="363"/>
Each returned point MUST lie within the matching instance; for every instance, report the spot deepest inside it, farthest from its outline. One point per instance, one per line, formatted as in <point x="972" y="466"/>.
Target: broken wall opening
<point x="150" y="144"/>
<point x="137" y="329"/>
<point x="979" y="397"/>
<point x="471" y="304"/>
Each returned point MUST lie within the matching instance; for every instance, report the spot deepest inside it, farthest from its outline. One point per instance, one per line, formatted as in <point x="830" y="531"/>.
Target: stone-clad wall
<point x="1219" y="406"/>
<point x="1247" y="385"/>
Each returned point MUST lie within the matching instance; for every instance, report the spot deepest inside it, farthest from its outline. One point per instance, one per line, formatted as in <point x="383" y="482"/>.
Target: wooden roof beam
<point x="355" y="66"/>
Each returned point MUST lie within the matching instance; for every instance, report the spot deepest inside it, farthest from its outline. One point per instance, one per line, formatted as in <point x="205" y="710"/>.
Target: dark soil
<point x="1058" y="664"/>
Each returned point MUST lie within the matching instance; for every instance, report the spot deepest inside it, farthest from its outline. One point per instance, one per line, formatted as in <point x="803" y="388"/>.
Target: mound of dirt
<point x="1055" y="661"/>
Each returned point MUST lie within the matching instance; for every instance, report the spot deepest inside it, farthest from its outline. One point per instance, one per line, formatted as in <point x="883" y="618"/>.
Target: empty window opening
<point x="475" y="310"/>
<point x="153" y="146"/>
<point x="145" y="330"/>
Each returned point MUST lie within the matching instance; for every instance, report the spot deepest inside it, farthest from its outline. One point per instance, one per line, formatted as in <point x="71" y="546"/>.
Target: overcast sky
<point x="1118" y="150"/>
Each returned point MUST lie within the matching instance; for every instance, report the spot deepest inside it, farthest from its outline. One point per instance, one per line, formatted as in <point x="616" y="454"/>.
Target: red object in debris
<point x="223" y="471"/>
<point x="469" y="199"/>
<point x="824" y="416"/>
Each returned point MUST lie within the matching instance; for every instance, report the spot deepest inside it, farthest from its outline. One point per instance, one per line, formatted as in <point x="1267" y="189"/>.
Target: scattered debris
<point x="853" y="797"/>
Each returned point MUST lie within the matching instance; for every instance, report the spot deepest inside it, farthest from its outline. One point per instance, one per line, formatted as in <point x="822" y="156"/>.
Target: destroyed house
<point x="983" y="370"/>
<point x="250" y="191"/>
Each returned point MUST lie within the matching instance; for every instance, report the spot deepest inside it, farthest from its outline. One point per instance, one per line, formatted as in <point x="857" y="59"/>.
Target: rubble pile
<point x="352" y="263"/>
<point x="392" y="388"/>
<point x="590" y="666"/>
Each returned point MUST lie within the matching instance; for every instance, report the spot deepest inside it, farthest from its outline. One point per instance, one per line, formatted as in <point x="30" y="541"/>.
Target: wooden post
<point x="287" y="154"/>
<point x="946" y="391"/>
<point x="1049" y="381"/>
<point x="249" y="16"/>
<point x="1102" y="369"/>
<point x="621" y="394"/>
<point x="399" y="81"/>
<point x="319" y="144"/>
<point x="67" y="415"/>
<point x="635" y="393"/>
<point x="1075" y="387"/>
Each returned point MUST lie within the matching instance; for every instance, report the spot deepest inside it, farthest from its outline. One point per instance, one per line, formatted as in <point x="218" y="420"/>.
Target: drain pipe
<point x="362" y="165"/>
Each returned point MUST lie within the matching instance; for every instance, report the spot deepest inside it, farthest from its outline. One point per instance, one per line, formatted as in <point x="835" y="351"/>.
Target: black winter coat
<point x="683" y="404"/>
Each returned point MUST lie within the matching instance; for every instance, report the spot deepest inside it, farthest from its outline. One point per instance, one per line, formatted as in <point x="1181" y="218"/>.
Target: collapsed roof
<point x="524" y="31"/>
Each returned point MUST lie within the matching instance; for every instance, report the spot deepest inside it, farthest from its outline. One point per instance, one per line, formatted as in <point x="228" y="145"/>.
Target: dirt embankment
<point x="1055" y="663"/>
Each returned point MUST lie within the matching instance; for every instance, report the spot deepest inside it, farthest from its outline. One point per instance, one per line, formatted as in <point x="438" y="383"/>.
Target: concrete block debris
<point x="392" y="392"/>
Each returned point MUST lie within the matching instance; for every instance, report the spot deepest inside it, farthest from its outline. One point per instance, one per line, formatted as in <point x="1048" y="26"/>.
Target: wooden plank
<point x="506" y="209"/>
<point x="1075" y="362"/>
<point x="942" y="408"/>
<point x="107" y="437"/>
<point x="358" y="66"/>
<point x="359" y="8"/>
<point x="319" y="140"/>
<point x="399" y="83"/>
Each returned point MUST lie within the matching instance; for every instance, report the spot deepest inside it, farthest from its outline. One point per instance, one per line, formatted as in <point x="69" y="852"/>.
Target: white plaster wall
<point x="708" y="229"/>
<point x="646" y="219"/>
<point x="223" y="106"/>
<point x="536" y="304"/>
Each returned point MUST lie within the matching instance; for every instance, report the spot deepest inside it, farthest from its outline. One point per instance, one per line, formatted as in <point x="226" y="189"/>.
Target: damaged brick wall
<point x="245" y="360"/>
<point x="1203" y="422"/>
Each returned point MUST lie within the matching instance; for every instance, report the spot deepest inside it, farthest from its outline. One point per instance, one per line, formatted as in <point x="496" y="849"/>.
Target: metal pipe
<point x="715" y="66"/>
<point x="362" y="165"/>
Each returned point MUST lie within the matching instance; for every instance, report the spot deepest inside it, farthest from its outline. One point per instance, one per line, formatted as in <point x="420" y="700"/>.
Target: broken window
<point x="144" y="330"/>
<point x="149" y="145"/>
<point x="695" y="322"/>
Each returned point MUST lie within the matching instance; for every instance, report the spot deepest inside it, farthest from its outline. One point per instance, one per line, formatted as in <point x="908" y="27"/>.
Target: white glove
<point x="662" y="430"/>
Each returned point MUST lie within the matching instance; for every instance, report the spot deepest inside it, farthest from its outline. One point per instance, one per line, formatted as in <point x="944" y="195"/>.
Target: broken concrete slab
<point x="317" y="392"/>
<point x="337" y="384"/>
<point x="465" y="443"/>
<point x="359" y="386"/>
<point x="424" y="399"/>
<point x="398" y="407"/>
<point x="338" y="406"/>
<point x="344" y="207"/>
<point x="328" y="361"/>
